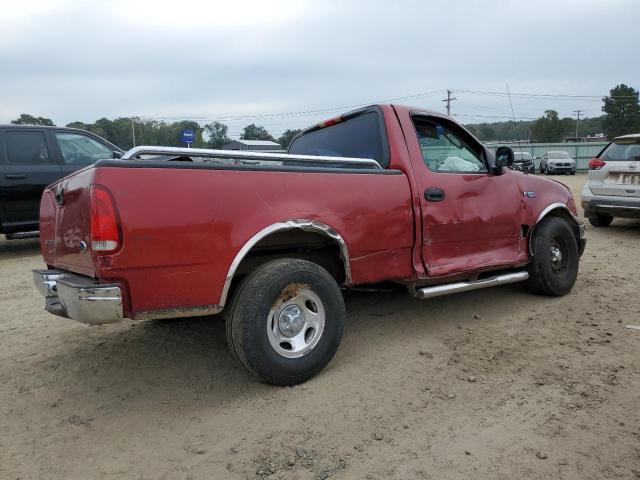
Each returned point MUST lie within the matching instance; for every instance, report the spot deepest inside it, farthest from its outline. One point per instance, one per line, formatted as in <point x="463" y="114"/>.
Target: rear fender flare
<point x="302" y="224"/>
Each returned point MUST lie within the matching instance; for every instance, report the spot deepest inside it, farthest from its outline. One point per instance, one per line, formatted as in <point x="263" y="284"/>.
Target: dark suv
<point x="523" y="161"/>
<point x="32" y="157"/>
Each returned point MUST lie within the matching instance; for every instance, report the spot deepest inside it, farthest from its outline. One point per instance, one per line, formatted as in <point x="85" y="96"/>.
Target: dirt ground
<point x="492" y="384"/>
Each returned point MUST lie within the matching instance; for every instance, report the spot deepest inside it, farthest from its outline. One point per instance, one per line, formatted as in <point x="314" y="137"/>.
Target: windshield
<point x="559" y="155"/>
<point x="520" y="156"/>
<point x="618" y="152"/>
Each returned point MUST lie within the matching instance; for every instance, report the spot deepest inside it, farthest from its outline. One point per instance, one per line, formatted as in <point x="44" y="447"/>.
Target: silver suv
<point x="557" y="162"/>
<point x="613" y="186"/>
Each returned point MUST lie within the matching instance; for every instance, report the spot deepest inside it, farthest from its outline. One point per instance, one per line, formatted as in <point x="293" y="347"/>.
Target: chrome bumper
<point x="79" y="298"/>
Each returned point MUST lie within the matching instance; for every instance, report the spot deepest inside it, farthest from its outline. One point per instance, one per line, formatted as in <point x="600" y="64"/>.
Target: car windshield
<point x="559" y="155"/>
<point x="621" y="152"/>
<point x="520" y="156"/>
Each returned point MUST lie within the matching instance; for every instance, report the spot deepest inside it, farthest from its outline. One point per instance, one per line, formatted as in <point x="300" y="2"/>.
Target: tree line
<point x="121" y="131"/>
<point x="621" y="116"/>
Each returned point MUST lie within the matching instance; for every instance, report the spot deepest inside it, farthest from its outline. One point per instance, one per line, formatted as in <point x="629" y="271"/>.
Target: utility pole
<point x="578" y="113"/>
<point x="448" y="101"/>
<point x="133" y="132"/>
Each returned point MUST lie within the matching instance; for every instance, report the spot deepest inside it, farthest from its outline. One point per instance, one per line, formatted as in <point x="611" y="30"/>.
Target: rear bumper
<point x="625" y="207"/>
<point x="79" y="298"/>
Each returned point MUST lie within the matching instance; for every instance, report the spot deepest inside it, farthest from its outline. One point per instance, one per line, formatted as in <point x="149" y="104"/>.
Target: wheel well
<point x="558" y="212"/>
<point x="294" y="243"/>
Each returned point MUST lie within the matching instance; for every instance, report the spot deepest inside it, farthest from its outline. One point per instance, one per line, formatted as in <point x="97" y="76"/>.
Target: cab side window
<point x="80" y="149"/>
<point x="446" y="150"/>
<point x="27" y="148"/>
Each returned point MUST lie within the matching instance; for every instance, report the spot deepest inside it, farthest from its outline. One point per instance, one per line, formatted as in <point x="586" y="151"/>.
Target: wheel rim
<point x="295" y="325"/>
<point x="559" y="257"/>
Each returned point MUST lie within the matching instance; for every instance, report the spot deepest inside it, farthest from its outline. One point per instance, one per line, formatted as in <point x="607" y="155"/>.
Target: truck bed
<point x="180" y="231"/>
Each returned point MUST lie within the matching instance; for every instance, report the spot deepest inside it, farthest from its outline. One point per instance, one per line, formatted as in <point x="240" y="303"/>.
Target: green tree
<point x="550" y="128"/>
<point x="26" y="119"/>
<point x="487" y="132"/>
<point x="217" y="134"/>
<point x="255" y="132"/>
<point x="622" y="111"/>
<point x="287" y="136"/>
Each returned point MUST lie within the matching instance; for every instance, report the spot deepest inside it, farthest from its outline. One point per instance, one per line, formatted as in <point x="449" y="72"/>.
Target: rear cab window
<point x="358" y="135"/>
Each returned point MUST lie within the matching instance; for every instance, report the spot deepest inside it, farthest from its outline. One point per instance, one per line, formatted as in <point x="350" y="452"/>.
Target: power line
<point x="557" y="96"/>
<point x="292" y="116"/>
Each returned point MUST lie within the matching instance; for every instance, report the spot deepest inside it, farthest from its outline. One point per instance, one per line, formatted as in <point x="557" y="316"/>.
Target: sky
<point x="290" y="64"/>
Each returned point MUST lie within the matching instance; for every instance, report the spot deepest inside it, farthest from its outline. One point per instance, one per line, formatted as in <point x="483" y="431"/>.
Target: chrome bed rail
<point x="248" y="156"/>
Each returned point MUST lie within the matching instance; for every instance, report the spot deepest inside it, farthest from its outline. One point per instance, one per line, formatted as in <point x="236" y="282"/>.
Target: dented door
<point x="471" y="218"/>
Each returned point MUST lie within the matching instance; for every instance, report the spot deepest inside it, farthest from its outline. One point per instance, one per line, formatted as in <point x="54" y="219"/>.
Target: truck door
<point x="27" y="168"/>
<point x="471" y="218"/>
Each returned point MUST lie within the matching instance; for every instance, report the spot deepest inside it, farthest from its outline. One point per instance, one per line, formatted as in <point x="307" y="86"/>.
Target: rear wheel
<point x="554" y="267"/>
<point x="286" y="321"/>
<point x="601" y="220"/>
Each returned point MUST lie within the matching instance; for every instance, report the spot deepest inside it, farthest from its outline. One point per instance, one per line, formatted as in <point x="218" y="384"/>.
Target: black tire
<point x="249" y="317"/>
<point x="601" y="220"/>
<point x="549" y="274"/>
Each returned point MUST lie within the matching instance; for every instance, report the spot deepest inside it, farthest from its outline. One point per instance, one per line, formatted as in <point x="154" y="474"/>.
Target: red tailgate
<point x="64" y="223"/>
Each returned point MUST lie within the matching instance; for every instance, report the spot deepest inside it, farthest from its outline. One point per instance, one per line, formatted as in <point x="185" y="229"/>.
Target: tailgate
<point x="64" y="223"/>
<point x="616" y="178"/>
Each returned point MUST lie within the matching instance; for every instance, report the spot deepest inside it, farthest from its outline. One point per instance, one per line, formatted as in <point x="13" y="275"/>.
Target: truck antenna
<point x="515" y="123"/>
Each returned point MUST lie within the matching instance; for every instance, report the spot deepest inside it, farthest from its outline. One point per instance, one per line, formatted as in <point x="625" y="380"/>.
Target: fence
<point x="582" y="152"/>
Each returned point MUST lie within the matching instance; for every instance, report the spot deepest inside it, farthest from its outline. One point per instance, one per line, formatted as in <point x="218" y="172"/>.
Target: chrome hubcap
<point x="291" y="321"/>
<point x="556" y="256"/>
<point x="295" y="324"/>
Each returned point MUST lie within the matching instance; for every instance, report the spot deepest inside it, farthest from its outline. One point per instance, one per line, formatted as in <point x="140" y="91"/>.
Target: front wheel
<point x="554" y="266"/>
<point x="286" y="321"/>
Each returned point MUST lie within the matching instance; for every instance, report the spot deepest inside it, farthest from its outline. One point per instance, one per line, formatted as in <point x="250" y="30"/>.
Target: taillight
<point x="596" y="164"/>
<point x="105" y="228"/>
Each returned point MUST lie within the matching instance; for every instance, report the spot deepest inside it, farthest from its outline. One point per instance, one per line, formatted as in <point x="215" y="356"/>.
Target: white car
<point x="613" y="185"/>
<point x="557" y="162"/>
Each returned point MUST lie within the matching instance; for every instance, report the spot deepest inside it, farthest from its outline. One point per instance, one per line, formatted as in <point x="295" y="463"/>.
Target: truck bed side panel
<point x="182" y="228"/>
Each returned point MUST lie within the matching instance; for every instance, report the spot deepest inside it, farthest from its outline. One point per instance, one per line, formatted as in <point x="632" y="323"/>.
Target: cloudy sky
<point x="288" y="64"/>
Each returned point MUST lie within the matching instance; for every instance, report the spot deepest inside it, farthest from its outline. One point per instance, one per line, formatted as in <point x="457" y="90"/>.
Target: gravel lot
<point x="492" y="384"/>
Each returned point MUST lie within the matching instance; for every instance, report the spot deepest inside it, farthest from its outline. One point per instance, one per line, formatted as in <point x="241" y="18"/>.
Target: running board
<point x="448" y="288"/>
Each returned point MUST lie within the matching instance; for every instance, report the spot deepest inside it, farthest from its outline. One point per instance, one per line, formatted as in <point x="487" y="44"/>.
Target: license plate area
<point x="619" y="178"/>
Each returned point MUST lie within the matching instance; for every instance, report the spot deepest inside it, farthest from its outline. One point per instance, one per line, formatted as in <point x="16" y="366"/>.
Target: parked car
<point x="32" y="157"/>
<point x="385" y="193"/>
<point x="613" y="185"/>
<point x="557" y="162"/>
<point x="523" y="162"/>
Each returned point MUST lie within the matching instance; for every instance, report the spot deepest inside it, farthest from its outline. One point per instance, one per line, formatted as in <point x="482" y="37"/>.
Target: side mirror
<point x="504" y="157"/>
<point x="117" y="154"/>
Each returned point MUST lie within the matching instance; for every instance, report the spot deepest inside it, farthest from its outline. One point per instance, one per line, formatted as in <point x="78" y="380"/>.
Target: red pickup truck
<point x="384" y="193"/>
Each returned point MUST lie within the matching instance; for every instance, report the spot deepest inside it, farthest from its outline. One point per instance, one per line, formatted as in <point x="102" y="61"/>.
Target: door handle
<point x="15" y="176"/>
<point x="434" y="194"/>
